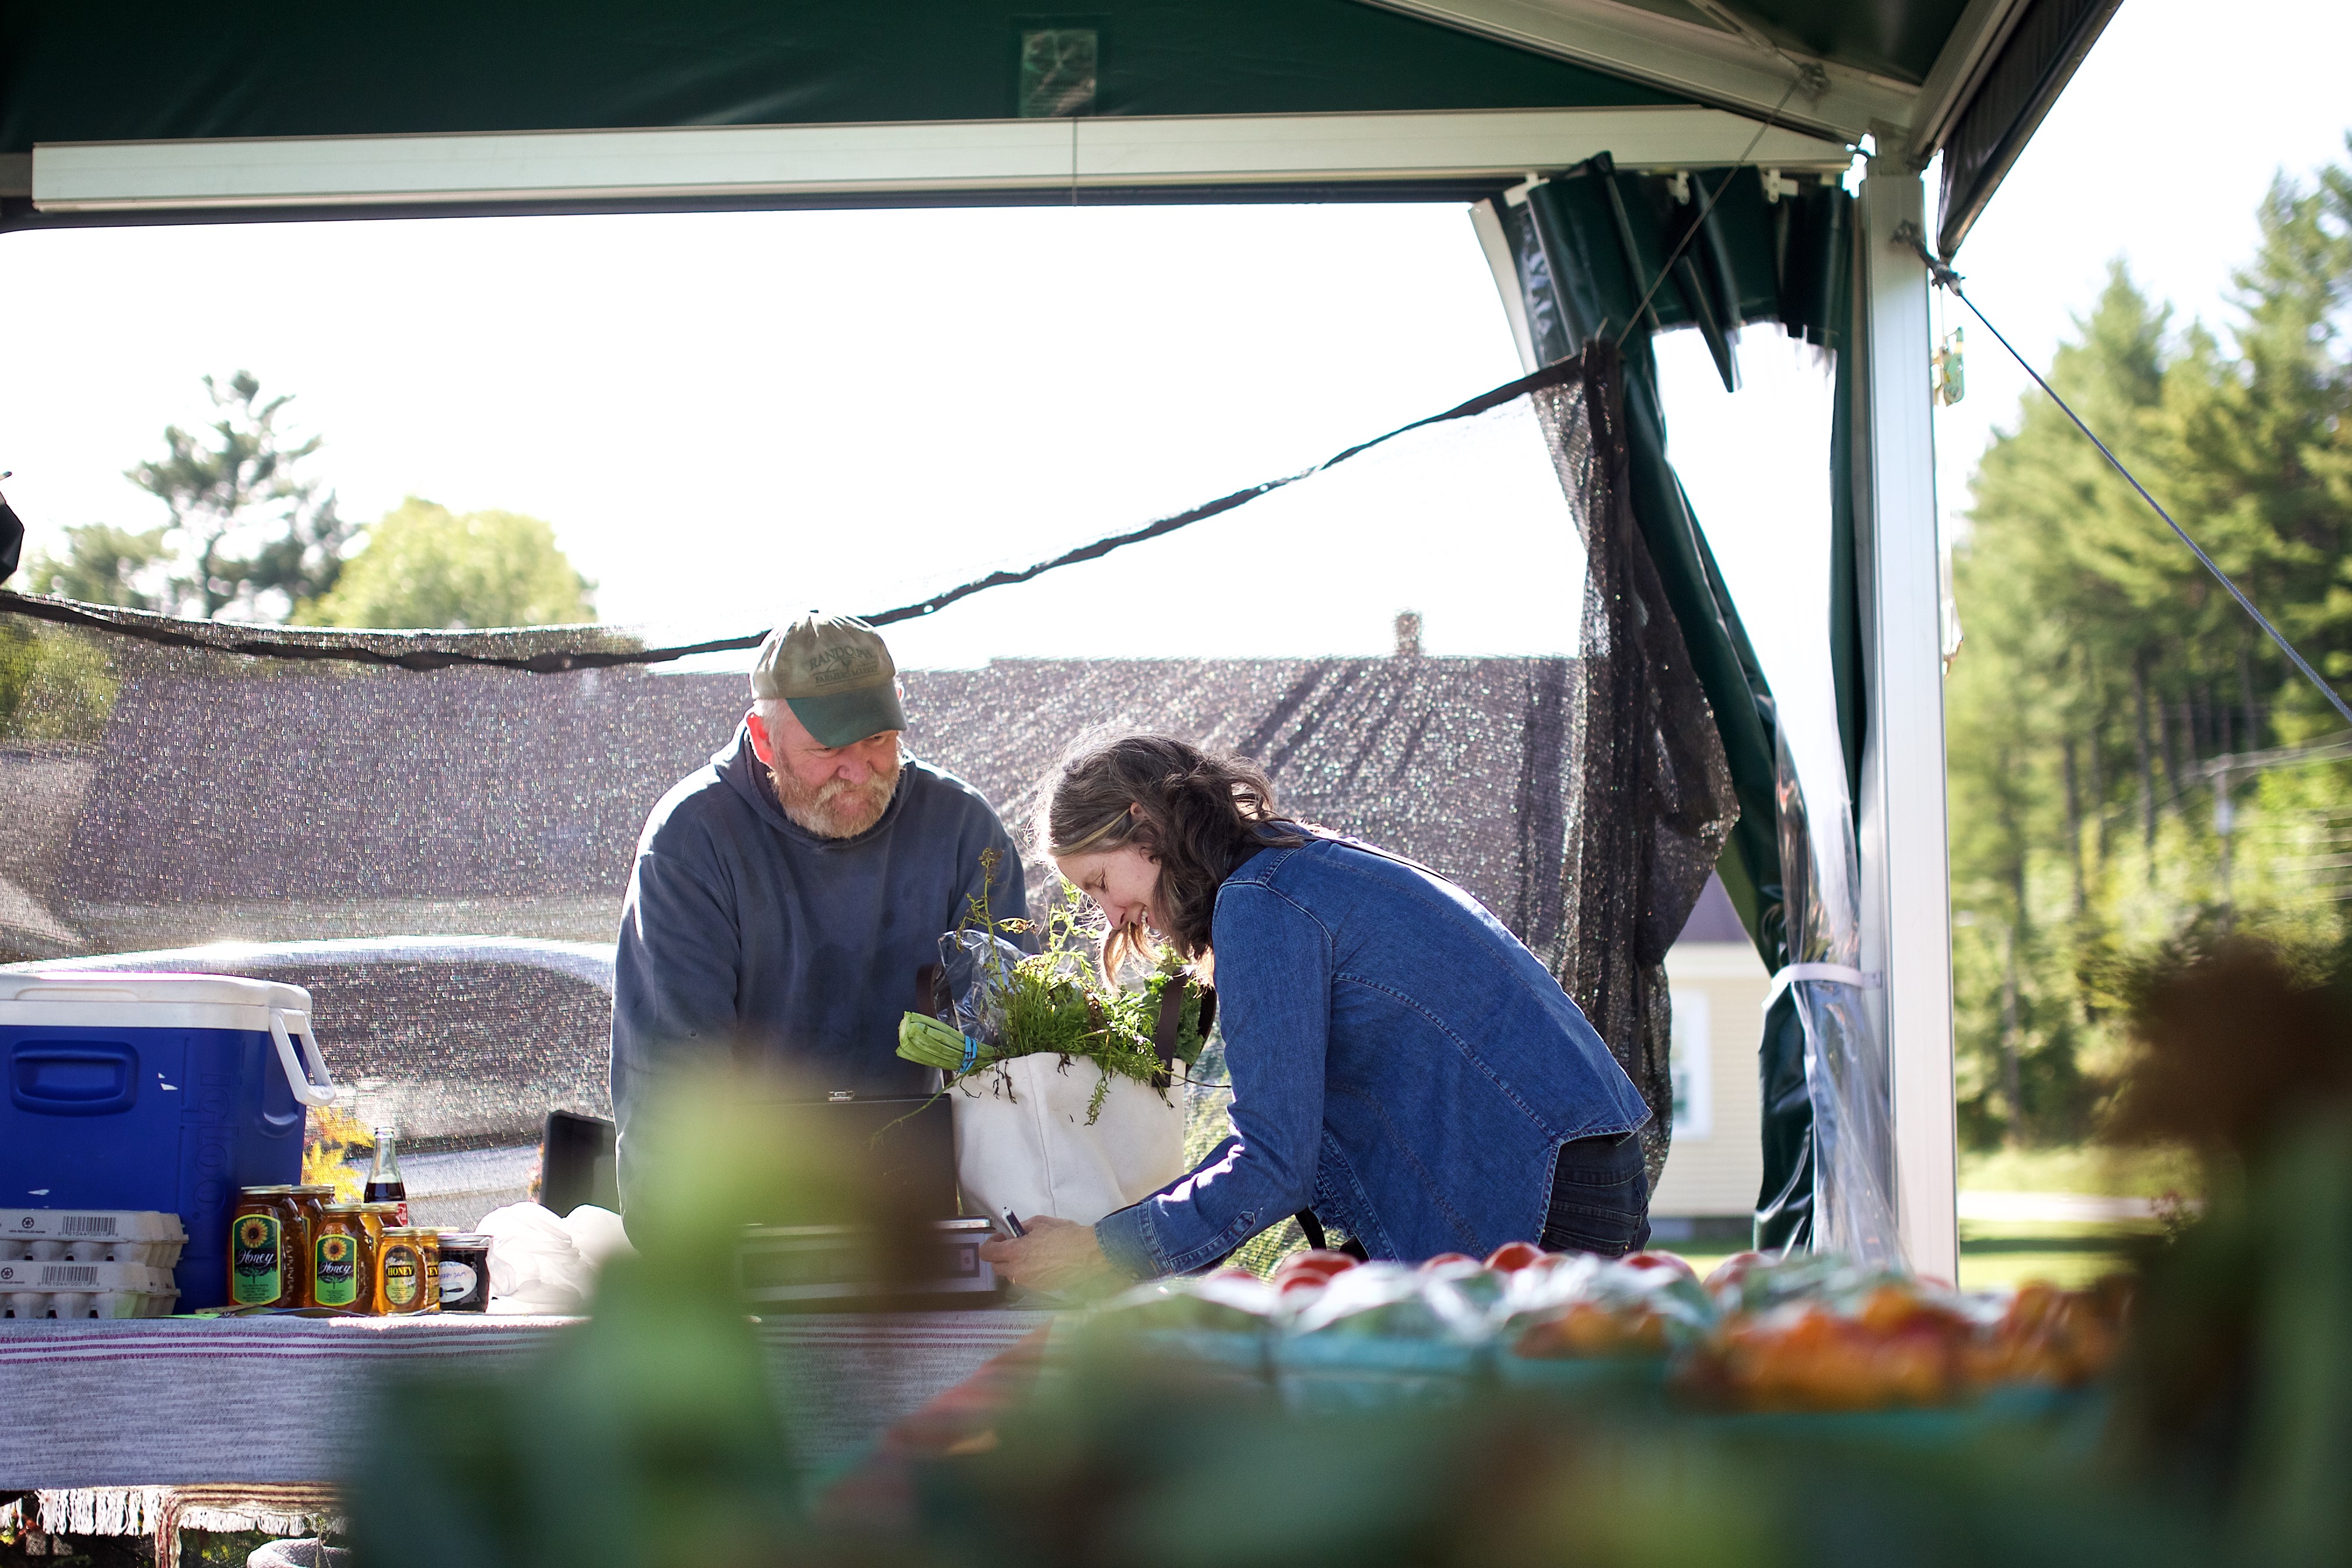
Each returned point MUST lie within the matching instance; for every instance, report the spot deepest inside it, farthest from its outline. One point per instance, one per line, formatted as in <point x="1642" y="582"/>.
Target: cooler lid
<point x="137" y="988"/>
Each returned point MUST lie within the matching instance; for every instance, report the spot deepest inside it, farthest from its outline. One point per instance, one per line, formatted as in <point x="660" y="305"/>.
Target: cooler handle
<point x="319" y="1090"/>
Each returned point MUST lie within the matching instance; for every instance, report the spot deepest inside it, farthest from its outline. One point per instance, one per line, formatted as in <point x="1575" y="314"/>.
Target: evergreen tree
<point x="2053" y="583"/>
<point x="250" y="533"/>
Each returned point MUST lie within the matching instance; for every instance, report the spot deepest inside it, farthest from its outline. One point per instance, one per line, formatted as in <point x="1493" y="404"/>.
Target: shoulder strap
<point x="1167" y="1029"/>
<point x="1312" y="1228"/>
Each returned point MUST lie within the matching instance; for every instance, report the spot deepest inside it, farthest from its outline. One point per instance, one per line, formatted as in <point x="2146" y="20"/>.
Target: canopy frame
<point x="814" y="164"/>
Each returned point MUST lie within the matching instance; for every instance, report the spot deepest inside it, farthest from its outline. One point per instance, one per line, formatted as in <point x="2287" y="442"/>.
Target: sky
<point x="2158" y="154"/>
<point x="730" y="416"/>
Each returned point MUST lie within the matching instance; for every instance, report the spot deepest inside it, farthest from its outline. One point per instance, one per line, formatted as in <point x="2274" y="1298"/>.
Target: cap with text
<point x="835" y="672"/>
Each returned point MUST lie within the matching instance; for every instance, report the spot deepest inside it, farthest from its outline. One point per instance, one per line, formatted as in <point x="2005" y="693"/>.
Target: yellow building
<point x="1707" y="1193"/>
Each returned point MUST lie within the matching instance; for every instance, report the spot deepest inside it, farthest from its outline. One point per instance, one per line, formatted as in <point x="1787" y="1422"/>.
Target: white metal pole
<point x="1905" y="877"/>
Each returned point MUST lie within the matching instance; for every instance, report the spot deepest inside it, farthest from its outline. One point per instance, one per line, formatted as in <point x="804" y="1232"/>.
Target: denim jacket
<point x="1401" y="1065"/>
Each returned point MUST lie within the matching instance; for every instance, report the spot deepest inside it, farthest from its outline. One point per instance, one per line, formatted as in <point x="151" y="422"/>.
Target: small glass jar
<point x="465" y="1272"/>
<point x="402" y="1271"/>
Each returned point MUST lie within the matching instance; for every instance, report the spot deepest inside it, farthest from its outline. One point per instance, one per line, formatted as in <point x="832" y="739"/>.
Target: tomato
<point x="1318" y="1266"/>
<point x="1231" y="1272"/>
<point x="1444" y="1259"/>
<point x="1662" y="1260"/>
<point x="1733" y="1269"/>
<point x="1513" y="1255"/>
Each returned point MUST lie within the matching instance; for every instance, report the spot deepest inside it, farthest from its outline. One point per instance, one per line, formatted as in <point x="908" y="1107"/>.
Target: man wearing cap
<point x="785" y="896"/>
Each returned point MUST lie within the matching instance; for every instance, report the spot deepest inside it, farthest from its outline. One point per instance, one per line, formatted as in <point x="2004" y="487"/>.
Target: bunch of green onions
<point x="935" y="1044"/>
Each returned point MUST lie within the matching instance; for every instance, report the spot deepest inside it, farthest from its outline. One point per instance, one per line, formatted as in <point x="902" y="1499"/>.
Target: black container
<point x="575" y="1162"/>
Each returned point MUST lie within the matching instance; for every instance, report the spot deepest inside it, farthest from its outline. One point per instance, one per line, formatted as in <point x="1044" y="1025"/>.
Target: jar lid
<point x="405" y="1230"/>
<point x="277" y="1191"/>
<point x="311" y="1186"/>
<point x="465" y="1238"/>
<point x="341" y="1207"/>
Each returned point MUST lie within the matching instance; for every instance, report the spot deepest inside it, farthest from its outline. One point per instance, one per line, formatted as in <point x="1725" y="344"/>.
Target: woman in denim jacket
<point x="1401" y="1065"/>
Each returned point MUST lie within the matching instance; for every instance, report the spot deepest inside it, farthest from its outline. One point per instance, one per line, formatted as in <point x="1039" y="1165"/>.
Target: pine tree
<point x="250" y="534"/>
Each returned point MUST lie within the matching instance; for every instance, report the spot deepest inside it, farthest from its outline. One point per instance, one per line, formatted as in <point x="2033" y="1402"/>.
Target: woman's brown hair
<point x="1199" y="813"/>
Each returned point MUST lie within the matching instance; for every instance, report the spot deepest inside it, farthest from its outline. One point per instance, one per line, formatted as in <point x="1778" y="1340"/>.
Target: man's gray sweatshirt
<point x="745" y="937"/>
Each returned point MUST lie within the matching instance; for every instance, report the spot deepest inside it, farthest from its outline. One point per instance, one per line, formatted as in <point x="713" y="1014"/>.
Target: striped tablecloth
<point x="175" y="1401"/>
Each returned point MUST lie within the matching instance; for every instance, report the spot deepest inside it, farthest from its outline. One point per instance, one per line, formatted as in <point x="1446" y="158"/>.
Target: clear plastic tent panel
<point x="452" y="844"/>
<point x="1847" y="1072"/>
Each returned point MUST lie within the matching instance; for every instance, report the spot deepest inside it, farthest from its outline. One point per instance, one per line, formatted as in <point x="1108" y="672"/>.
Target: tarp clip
<point x="1843" y="974"/>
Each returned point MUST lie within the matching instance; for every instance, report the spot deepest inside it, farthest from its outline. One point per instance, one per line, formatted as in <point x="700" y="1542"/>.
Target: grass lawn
<point x="2012" y="1252"/>
<point x="2114" y="1173"/>
<point x="2009" y="1252"/>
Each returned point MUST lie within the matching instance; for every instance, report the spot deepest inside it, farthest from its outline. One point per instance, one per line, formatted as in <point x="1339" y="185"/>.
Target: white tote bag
<point x="1024" y="1143"/>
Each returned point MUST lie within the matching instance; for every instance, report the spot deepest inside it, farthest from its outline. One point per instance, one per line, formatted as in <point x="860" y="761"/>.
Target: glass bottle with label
<point x="385" y="1183"/>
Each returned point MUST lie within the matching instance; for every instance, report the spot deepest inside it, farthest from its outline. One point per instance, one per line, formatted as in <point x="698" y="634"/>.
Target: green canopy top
<point x="1969" y="77"/>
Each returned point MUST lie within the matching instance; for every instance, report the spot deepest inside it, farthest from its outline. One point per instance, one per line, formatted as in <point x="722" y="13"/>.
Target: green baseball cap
<point x="835" y="672"/>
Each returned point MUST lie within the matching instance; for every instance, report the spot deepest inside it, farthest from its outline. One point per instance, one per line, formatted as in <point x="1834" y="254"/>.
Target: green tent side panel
<point x="143" y="70"/>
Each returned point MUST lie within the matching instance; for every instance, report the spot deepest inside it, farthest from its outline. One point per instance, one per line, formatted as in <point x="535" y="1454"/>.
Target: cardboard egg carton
<point x="50" y="1287"/>
<point x="90" y="1236"/>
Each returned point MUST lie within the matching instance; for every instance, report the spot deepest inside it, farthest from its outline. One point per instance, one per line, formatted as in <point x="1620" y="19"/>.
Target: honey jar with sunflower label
<point x="260" y="1274"/>
<point x="342" y="1270"/>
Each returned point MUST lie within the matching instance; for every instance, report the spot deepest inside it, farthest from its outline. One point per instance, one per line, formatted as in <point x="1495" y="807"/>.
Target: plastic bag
<point x="543" y="1265"/>
<point x="975" y="963"/>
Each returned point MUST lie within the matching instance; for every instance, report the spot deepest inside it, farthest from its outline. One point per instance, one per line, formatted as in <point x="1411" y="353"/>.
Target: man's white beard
<point x="836" y="808"/>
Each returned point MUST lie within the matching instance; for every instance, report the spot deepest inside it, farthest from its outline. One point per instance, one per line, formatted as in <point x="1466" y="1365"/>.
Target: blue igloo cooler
<point x="158" y="1092"/>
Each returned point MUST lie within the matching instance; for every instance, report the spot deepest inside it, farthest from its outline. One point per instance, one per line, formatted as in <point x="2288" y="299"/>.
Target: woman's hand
<point x="1056" y="1257"/>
